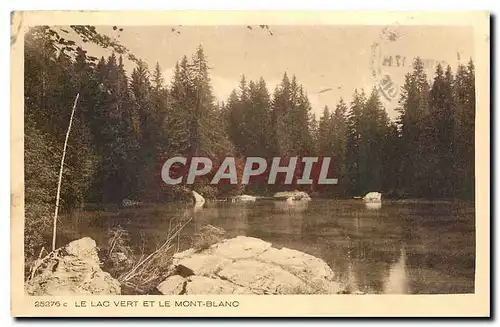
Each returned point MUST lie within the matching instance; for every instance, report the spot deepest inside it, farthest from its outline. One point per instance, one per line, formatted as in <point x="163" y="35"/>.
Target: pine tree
<point x="339" y="145"/>
<point x="464" y="138"/>
<point x="438" y="129"/>
<point x="180" y="103"/>
<point x="354" y="125"/>
<point x="291" y="118"/>
<point x="205" y="138"/>
<point x="413" y="107"/>
<point x="258" y="120"/>
<point x="281" y="108"/>
<point x="235" y="122"/>
<point x="304" y="141"/>
<point x="325" y="134"/>
<point x="391" y="168"/>
<point x="372" y="131"/>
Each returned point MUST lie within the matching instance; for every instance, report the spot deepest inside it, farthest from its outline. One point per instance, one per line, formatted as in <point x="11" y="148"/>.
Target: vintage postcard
<point x="258" y="164"/>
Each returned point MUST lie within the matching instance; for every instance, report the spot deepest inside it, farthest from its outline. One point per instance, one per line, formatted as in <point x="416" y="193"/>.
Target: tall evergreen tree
<point x="339" y="144"/>
<point x="464" y="138"/>
<point x="392" y="154"/>
<point x="354" y="122"/>
<point x="281" y="107"/>
<point x="413" y="107"/>
<point x="258" y="120"/>
<point x="205" y="136"/>
<point x="325" y="133"/>
<point x="373" y="125"/>
<point x="180" y="103"/>
<point x="291" y="118"/>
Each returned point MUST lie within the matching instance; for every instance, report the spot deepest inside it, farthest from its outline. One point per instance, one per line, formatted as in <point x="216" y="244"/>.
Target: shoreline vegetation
<point x="126" y="124"/>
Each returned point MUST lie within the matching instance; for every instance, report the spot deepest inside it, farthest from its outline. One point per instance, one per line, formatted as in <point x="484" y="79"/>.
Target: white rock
<point x="247" y="265"/>
<point x="184" y="254"/>
<point x="301" y="196"/>
<point x="313" y="271"/>
<point x="245" y="198"/>
<point x="240" y="247"/>
<point x="202" y="264"/>
<point x="293" y="196"/>
<point x="262" y="277"/>
<point x="297" y="262"/>
<point x="206" y="285"/>
<point x="85" y="249"/>
<point x="77" y="273"/>
<point x="373" y="197"/>
<point x="173" y="285"/>
<point x="198" y="199"/>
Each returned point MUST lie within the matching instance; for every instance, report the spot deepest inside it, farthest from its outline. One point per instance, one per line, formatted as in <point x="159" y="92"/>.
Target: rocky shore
<point x="247" y="265"/>
<point x="74" y="269"/>
<point x="241" y="265"/>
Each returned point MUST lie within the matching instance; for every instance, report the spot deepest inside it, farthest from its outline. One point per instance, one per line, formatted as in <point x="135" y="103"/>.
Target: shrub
<point x="149" y="270"/>
<point x="118" y="255"/>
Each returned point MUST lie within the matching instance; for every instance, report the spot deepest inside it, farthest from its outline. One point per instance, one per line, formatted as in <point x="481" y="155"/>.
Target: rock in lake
<point x="73" y="270"/>
<point x="247" y="265"/>
<point x="373" y="197"/>
<point x="292" y="196"/>
<point x="244" y="198"/>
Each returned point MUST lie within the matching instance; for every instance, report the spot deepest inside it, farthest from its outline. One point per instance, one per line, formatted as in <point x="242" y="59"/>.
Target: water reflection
<point x="291" y="206"/>
<point x="397" y="281"/>
<point x="197" y="207"/>
<point x="396" y="248"/>
<point x="234" y="215"/>
<point x="373" y="205"/>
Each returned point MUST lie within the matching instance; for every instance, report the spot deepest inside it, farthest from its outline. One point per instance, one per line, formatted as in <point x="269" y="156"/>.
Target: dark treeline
<point x="428" y="152"/>
<point x="126" y="126"/>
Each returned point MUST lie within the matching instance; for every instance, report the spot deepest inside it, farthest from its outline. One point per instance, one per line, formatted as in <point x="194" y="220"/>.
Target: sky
<point x="329" y="61"/>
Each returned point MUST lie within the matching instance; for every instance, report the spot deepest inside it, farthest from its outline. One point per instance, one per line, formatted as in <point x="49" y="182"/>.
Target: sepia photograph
<point x="182" y="159"/>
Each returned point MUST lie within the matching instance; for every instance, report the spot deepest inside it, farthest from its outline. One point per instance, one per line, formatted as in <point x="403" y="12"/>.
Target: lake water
<point x="405" y="248"/>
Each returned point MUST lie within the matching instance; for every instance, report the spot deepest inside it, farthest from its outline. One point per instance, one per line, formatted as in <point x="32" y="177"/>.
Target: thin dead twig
<point x="54" y="231"/>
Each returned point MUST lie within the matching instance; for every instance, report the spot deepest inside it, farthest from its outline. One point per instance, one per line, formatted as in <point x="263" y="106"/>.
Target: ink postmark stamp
<point x="383" y="80"/>
<point x="385" y="64"/>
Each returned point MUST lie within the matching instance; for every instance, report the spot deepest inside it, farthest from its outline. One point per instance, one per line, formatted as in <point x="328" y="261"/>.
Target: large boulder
<point x="240" y="247"/>
<point x="207" y="285"/>
<point x="247" y="265"/>
<point x="200" y="264"/>
<point x="316" y="272"/>
<point x="73" y="270"/>
<point x="262" y="278"/>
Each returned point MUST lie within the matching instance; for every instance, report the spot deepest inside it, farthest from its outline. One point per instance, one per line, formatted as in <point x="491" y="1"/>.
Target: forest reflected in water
<point x="400" y="248"/>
